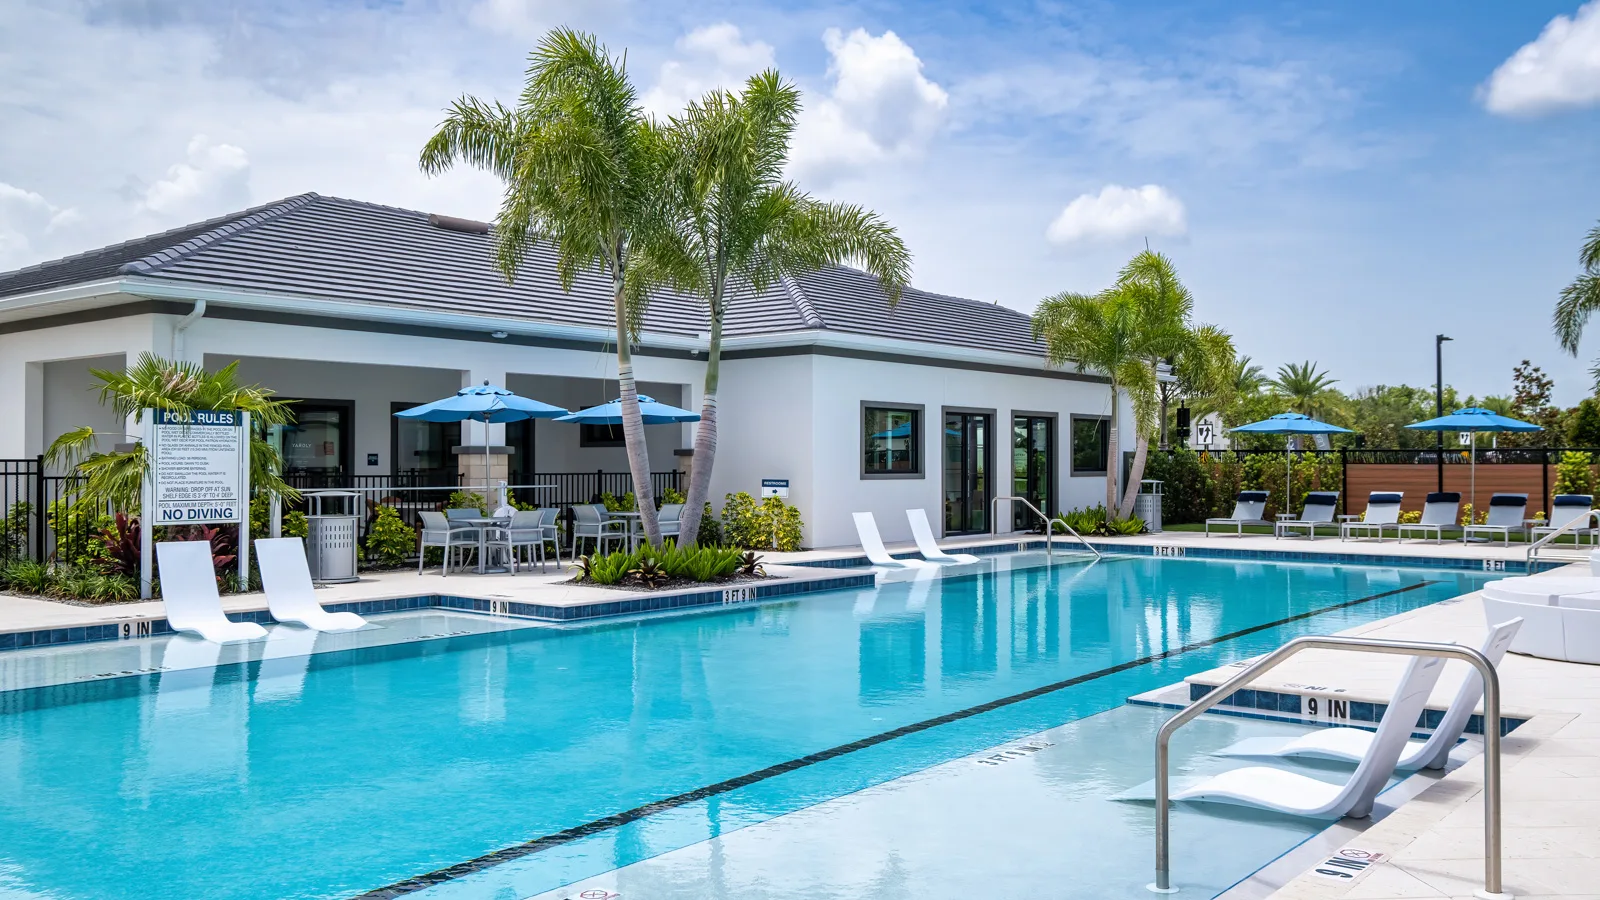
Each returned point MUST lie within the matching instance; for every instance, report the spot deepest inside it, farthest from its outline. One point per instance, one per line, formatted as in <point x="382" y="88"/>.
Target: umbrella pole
<point x="1288" y="475"/>
<point x="1472" y="458"/>
<point x="487" y="488"/>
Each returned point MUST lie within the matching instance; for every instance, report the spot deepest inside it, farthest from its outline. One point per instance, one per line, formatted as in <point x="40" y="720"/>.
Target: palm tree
<point x="738" y="220"/>
<point x="583" y="169"/>
<point x="115" y="478"/>
<point x="1305" y="386"/>
<point x="1580" y="299"/>
<point x="1124" y="333"/>
<point x="1246" y="378"/>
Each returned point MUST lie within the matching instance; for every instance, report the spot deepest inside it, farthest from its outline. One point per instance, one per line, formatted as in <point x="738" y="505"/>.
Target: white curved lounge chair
<point x="1264" y="787"/>
<point x="189" y="593"/>
<point x="290" y="596"/>
<point x="922" y="533"/>
<point x="1351" y="745"/>
<point x="872" y="544"/>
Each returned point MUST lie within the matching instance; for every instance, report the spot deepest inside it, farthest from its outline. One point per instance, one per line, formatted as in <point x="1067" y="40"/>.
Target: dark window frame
<point x="347" y="426"/>
<point x="1072" y="446"/>
<point x="394" y="440"/>
<point x="919" y="422"/>
<point x="1054" y="494"/>
<point x="586" y="435"/>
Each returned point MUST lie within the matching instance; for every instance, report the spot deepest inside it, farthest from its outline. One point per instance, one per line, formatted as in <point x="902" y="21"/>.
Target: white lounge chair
<point x="1564" y="508"/>
<point x="1264" y="787"/>
<point x="189" y="593"/>
<point x="1318" y="510"/>
<point x="290" y="595"/>
<point x="872" y="543"/>
<point x="1248" y="509"/>
<point x="1441" y="510"/>
<point x="1383" y="513"/>
<point x="922" y="533"/>
<point x="1506" y="512"/>
<point x="1353" y="744"/>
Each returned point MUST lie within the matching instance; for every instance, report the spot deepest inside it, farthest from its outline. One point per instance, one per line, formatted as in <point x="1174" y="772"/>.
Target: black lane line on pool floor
<point x="616" y="820"/>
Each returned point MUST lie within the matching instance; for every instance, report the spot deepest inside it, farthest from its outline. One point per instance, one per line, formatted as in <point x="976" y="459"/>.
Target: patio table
<point x="483" y="525"/>
<point x="633" y="520"/>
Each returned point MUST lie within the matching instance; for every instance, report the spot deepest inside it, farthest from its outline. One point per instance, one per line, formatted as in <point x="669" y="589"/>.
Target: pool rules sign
<point x="199" y="474"/>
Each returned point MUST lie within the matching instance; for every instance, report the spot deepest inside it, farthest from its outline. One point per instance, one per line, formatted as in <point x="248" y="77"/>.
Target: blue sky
<point x="1337" y="181"/>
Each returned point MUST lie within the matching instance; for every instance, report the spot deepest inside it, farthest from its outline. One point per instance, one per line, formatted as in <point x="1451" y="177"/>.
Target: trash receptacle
<point x="333" y="531"/>
<point x="1147" y="505"/>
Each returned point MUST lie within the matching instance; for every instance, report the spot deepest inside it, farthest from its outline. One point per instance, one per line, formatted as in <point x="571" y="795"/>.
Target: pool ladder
<point x="1491" y="739"/>
<point x="1049" y="524"/>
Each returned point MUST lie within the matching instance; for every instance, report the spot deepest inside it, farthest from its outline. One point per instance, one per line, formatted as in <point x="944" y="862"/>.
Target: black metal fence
<point x="41" y="517"/>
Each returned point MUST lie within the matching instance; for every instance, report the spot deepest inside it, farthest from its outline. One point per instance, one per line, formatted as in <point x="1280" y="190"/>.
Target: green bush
<point x="1573" y="474"/>
<point x="1094" y="521"/>
<point x="295" y="525"/>
<point x="710" y="534"/>
<point x="14" y="531"/>
<point x="671" y="495"/>
<point x="702" y="563"/>
<point x="77" y="527"/>
<point x="1189" y="492"/>
<point x="467" y="500"/>
<point x="613" y="503"/>
<point x="390" y="541"/>
<point x="768" y="525"/>
<point x="27" y="577"/>
<point x="607" y="568"/>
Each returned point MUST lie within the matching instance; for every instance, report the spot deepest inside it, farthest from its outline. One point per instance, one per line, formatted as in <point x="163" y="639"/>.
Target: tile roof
<point x="346" y="250"/>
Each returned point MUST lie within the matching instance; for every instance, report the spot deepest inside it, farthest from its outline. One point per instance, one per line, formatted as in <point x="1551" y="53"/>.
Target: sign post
<point x="199" y="474"/>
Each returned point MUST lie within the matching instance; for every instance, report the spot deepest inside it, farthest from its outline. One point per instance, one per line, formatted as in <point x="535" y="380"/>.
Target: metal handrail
<point x="1584" y="521"/>
<point x="1491" y="737"/>
<point x="1049" y="524"/>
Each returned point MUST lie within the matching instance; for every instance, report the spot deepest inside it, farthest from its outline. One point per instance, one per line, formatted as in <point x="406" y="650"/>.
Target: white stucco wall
<point x="556" y="444"/>
<point x="764" y="429"/>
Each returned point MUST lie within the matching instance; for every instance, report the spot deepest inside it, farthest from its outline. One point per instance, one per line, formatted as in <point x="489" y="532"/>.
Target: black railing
<point x="21" y="535"/>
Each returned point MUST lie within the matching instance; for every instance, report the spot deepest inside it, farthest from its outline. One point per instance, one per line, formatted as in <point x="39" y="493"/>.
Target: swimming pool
<point x="373" y="765"/>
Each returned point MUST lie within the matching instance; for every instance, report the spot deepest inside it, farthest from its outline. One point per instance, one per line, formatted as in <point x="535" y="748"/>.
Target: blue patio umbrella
<point x="484" y="403"/>
<point x="650" y="411"/>
<point x="1290" y="424"/>
<point x="1472" y="420"/>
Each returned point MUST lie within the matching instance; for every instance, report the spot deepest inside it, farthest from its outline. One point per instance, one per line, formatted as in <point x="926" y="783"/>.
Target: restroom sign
<point x="775" y="487"/>
<point x="201" y="462"/>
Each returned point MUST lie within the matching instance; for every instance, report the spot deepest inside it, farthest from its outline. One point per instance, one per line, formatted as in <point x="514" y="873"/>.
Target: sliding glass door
<point x="1033" y="462"/>
<point x="967" y="490"/>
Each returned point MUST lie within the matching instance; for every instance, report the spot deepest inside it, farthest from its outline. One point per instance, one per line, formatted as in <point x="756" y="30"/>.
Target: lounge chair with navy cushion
<point x="1506" y="512"/>
<point x="1318" y="510"/>
<point x="1383" y="513"/>
<point x="1441" y="510"/>
<point x="1249" y="508"/>
<point x="1564" y="508"/>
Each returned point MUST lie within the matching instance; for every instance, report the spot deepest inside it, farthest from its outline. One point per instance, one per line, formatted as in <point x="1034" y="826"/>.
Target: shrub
<point x="1094" y="521"/>
<point x="710" y="534"/>
<point x="390" y="541"/>
<point x="14" y="531"/>
<point x="671" y="495"/>
<point x="1410" y="517"/>
<point x="608" y="568"/>
<point x="1187" y="487"/>
<point x="771" y="524"/>
<point x="467" y="500"/>
<point x="612" y="503"/>
<point x="1573" y="474"/>
<point x="1130" y="525"/>
<point x="76" y="527"/>
<point x="120" y="546"/>
<point x="27" y="576"/>
<point x="295" y="525"/>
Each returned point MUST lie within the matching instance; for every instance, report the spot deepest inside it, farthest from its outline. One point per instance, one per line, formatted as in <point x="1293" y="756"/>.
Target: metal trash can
<point x="333" y="520"/>
<point x="1147" y="504"/>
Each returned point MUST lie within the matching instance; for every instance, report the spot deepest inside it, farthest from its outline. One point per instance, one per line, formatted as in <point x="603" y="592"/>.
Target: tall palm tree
<point x="740" y="227"/>
<point x="115" y="478"/>
<point x="1124" y="333"/>
<point x="1305" y="386"/>
<point x="583" y="169"/>
<point x="1580" y="299"/>
<point x="1245" y="377"/>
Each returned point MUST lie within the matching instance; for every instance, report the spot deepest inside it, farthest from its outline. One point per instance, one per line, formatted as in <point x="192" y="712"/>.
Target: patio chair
<point x="438" y="532"/>
<point x="526" y="533"/>
<point x="189" y="593"/>
<point x="670" y="518"/>
<point x="1248" y="509"/>
<point x="1441" y="510"/>
<point x="872" y="544"/>
<point x="1383" y="512"/>
<point x="922" y="533"/>
<point x="1264" y="787"/>
<point x="589" y="523"/>
<point x="1351" y="745"/>
<point x="1317" y="510"/>
<point x="1564" y="509"/>
<point x="291" y="597"/>
<point x="550" y="525"/>
<point x="1506" y="512"/>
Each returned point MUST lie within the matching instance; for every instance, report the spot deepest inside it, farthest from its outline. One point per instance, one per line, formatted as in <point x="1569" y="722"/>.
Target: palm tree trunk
<point x="632" y="422"/>
<point x="1111" y="454"/>
<point x="1141" y="452"/>
<point x="705" y="437"/>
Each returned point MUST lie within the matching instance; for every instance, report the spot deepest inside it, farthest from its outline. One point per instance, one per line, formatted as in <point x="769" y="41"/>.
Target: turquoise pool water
<point x="367" y="767"/>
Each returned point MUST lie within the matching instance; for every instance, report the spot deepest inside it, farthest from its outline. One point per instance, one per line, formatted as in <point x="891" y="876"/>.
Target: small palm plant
<point x="115" y="478"/>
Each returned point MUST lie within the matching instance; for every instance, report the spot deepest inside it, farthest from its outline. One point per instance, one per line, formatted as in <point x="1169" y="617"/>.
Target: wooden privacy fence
<point x="1417" y="481"/>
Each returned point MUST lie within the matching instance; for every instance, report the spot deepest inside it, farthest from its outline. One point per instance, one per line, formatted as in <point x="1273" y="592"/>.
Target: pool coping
<point x="134" y="627"/>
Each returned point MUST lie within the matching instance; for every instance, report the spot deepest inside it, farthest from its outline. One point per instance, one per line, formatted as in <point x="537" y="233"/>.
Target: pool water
<point x="376" y="764"/>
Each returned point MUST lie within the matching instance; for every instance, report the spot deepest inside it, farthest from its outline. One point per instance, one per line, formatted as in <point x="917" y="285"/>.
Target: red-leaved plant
<point x="121" y="543"/>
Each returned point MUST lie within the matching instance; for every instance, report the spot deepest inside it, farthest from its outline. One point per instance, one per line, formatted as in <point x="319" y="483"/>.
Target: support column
<point x="21" y="408"/>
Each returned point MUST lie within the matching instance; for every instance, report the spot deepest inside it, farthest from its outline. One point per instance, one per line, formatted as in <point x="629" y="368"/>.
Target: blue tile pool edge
<point x="1282" y="707"/>
<point x="1192" y="552"/>
<point x="745" y="593"/>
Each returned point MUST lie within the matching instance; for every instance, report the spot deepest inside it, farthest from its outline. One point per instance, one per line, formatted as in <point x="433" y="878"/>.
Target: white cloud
<point x="530" y="19"/>
<point x="881" y="106"/>
<point x="1559" y="69"/>
<point x="1117" y="213"/>
<point x="213" y="179"/>
<point x="718" y="56"/>
<point x="26" y="216"/>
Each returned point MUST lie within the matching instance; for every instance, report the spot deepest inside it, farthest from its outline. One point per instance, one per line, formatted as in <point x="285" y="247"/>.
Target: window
<point x="422" y="452"/>
<point x="1090" y="439"/>
<point x="600" y="435"/>
<point x="316" y="442"/>
<point x="891" y="440"/>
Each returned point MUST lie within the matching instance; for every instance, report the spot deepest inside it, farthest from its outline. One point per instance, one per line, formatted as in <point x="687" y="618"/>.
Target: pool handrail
<point x="1049" y="524"/>
<point x="1491" y="738"/>
<point x="1585" y="522"/>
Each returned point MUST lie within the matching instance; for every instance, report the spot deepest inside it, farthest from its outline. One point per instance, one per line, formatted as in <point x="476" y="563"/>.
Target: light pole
<point x="1438" y="403"/>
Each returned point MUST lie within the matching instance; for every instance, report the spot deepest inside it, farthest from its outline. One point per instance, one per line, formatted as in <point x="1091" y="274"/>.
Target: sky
<point x="1336" y="180"/>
